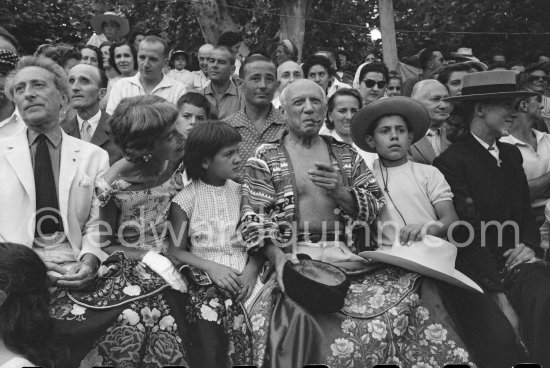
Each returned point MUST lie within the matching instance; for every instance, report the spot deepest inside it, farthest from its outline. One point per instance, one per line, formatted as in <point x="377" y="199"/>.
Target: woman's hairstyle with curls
<point x="332" y="102"/>
<point x="112" y="54"/>
<point x="138" y="122"/>
<point x="204" y="141"/>
<point x="25" y="325"/>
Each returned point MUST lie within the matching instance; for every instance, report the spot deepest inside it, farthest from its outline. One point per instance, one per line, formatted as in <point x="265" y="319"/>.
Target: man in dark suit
<point x="88" y="85"/>
<point x="499" y="241"/>
<point x="431" y="94"/>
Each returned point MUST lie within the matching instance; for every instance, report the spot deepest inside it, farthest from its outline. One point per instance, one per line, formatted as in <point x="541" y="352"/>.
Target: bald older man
<point x="287" y="72"/>
<point x="431" y="93"/>
<point x="197" y="80"/>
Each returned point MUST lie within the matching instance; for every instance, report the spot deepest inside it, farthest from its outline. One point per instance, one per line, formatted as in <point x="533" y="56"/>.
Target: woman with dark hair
<point x="319" y="69"/>
<point x="134" y="316"/>
<point x="26" y="329"/>
<point x="342" y="107"/>
<point x="123" y="58"/>
<point x="91" y="55"/>
<point x="109" y="70"/>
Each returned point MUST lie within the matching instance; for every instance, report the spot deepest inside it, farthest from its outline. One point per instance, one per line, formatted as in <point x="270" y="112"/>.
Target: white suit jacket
<point x="80" y="164"/>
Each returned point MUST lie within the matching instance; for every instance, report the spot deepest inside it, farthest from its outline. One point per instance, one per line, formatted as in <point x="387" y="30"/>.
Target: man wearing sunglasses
<point x="431" y="94"/>
<point x="537" y="80"/>
<point x="373" y="81"/>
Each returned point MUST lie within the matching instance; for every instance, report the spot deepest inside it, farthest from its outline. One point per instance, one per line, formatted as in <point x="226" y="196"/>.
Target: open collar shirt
<point x="271" y="131"/>
<point x="169" y="89"/>
<point x="230" y="101"/>
<point x="535" y="162"/>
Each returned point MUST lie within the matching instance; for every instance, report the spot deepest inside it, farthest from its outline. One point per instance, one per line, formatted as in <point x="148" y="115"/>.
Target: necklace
<point x="385" y="181"/>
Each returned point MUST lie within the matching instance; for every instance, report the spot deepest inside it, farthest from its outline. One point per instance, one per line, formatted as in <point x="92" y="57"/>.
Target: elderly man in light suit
<point x="48" y="178"/>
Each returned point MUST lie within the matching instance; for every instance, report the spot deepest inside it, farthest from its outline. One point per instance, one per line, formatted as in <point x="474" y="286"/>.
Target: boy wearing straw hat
<point x="498" y="232"/>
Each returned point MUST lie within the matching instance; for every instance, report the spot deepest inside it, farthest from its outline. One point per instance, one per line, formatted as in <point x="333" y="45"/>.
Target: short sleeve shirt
<point x="272" y="131"/>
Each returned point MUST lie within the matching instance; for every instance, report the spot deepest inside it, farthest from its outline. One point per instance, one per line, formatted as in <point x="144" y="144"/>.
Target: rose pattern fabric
<point x="144" y="339"/>
<point x="404" y="335"/>
<point x="209" y="303"/>
<point x="382" y="322"/>
<point x="125" y="280"/>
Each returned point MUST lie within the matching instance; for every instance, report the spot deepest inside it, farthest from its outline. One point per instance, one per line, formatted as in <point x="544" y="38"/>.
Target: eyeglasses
<point x="534" y="78"/>
<point x="370" y="83"/>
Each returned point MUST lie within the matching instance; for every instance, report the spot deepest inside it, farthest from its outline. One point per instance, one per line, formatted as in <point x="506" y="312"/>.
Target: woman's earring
<point x="146" y="157"/>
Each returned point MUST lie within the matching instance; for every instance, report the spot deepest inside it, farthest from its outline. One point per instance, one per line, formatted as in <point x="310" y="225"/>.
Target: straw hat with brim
<point x="98" y="20"/>
<point x="316" y="285"/>
<point x="412" y="111"/>
<point x="432" y="257"/>
<point x="173" y="53"/>
<point x="491" y="85"/>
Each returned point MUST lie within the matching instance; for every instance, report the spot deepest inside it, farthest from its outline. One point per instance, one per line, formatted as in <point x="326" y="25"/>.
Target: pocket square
<point x="84" y="181"/>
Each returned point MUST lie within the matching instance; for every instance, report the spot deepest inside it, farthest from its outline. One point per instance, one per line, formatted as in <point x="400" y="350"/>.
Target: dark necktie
<point x="48" y="219"/>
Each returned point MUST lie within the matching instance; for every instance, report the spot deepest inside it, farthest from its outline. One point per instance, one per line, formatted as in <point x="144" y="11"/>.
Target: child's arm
<point x="446" y="214"/>
<point x="223" y="276"/>
<point x="250" y="275"/>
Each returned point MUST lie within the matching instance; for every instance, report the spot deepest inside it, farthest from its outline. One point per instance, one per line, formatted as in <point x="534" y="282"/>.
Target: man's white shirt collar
<point x="93" y="121"/>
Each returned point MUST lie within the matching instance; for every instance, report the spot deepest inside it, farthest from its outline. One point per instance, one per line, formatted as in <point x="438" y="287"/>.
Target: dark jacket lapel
<point x="101" y="134"/>
<point x="71" y="128"/>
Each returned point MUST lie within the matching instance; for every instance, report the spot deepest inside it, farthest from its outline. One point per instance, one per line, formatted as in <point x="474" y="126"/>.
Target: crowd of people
<point x="158" y="216"/>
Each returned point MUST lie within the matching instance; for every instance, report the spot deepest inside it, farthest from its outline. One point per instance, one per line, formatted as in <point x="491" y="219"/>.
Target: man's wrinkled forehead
<point x="304" y="89"/>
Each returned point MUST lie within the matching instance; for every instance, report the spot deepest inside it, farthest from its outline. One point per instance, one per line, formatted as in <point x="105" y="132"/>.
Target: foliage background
<point x="337" y="24"/>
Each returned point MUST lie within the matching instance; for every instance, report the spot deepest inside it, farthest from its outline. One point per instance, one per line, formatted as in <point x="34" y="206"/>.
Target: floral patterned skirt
<point x="391" y="316"/>
<point x="129" y="319"/>
<point x="220" y="335"/>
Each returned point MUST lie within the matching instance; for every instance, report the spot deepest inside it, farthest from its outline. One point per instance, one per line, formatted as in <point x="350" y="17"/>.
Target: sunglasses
<point x="370" y="83"/>
<point x="533" y="78"/>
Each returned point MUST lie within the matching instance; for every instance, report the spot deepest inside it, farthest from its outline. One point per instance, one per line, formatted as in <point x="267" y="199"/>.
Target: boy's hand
<point x="410" y="233"/>
<point x="226" y="277"/>
<point x="248" y="279"/>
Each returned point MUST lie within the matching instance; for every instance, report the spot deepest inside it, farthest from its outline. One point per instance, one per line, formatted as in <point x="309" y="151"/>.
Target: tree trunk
<point x="387" y="28"/>
<point x="293" y="22"/>
<point x="213" y="19"/>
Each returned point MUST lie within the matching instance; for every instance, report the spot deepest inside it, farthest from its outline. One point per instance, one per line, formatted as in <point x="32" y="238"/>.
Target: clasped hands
<point x="238" y="284"/>
<point x="76" y="276"/>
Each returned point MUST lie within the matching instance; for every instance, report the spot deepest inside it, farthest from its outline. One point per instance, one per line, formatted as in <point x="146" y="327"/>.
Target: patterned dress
<point x="223" y="337"/>
<point x="390" y="316"/>
<point x="129" y="317"/>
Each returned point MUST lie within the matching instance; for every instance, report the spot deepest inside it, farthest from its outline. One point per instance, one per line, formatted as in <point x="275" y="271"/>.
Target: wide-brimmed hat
<point x="316" y="285"/>
<point x="495" y="84"/>
<point x="98" y="20"/>
<point x="175" y="52"/>
<point x="412" y="111"/>
<point x="464" y="54"/>
<point x="432" y="257"/>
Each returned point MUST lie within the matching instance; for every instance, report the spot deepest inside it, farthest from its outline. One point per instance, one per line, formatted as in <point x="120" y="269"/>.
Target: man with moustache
<point x="431" y="94"/>
<point x="258" y="121"/>
<point x="198" y="79"/>
<point x="152" y="57"/>
<point x="88" y="85"/>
